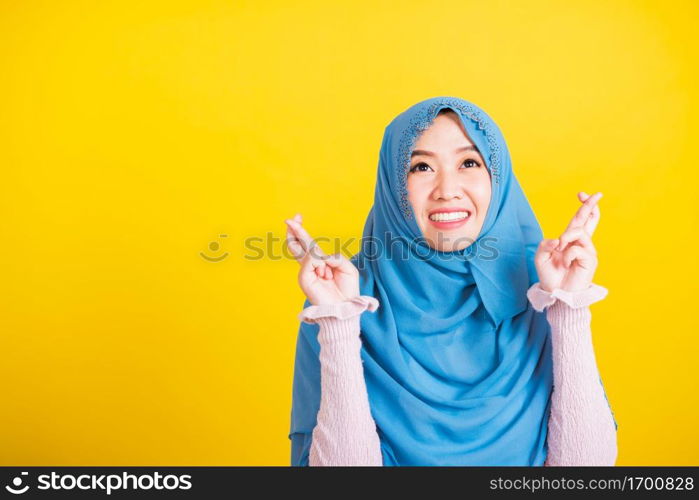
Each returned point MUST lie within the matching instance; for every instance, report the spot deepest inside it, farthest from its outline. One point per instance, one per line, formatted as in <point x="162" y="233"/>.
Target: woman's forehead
<point x="446" y="129"/>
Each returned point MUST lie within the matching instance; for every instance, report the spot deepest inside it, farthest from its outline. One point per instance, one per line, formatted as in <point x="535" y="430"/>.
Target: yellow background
<point x="134" y="133"/>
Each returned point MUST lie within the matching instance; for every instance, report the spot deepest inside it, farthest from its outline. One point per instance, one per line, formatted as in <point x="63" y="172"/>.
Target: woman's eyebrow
<point x="422" y="152"/>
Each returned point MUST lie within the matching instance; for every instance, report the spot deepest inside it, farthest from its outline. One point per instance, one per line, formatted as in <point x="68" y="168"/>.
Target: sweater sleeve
<point x="345" y="433"/>
<point x="581" y="427"/>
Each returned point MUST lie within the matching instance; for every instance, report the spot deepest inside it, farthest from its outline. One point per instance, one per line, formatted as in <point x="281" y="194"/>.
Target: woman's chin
<point x="449" y="242"/>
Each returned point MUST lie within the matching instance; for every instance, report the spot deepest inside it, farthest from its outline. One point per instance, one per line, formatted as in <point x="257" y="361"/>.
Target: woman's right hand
<point x="325" y="279"/>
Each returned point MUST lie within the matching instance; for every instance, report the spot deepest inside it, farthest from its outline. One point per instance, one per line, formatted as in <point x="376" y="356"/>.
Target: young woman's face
<point x="448" y="185"/>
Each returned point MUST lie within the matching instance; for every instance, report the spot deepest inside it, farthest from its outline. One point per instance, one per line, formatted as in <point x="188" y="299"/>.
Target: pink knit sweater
<point x="581" y="428"/>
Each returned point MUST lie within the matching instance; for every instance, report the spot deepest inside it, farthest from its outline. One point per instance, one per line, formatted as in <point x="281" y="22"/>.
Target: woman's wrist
<point x="540" y="298"/>
<point x="334" y="330"/>
<point x="342" y="310"/>
<point x="566" y="319"/>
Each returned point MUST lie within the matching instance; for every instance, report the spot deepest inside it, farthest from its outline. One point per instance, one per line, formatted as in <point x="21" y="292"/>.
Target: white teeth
<point x="448" y="216"/>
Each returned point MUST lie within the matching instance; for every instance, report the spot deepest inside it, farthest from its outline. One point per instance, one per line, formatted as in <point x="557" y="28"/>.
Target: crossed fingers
<point x="299" y="241"/>
<point x="305" y="249"/>
<point x="582" y="225"/>
<point x="588" y="214"/>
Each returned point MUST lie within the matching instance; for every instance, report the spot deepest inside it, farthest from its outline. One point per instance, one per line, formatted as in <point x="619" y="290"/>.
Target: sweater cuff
<point x="342" y="310"/>
<point x="541" y="299"/>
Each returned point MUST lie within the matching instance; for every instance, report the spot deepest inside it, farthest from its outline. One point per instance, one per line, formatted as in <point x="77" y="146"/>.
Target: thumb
<point x="340" y="263"/>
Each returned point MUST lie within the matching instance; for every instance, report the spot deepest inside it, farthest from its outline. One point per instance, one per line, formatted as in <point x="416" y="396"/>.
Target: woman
<point x="473" y="318"/>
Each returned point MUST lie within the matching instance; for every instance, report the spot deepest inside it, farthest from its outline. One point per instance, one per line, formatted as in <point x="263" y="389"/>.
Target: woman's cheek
<point x="484" y="194"/>
<point x="417" y="195"/>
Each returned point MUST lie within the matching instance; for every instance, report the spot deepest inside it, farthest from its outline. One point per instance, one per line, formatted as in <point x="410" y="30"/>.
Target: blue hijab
<point x="457" y="362"/>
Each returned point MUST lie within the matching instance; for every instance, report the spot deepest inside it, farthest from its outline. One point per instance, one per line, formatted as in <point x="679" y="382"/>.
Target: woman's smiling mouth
<point x="449" y="218"/>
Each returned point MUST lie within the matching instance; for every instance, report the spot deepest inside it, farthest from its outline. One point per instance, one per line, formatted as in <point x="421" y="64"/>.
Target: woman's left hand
<point x="569" y="262"/>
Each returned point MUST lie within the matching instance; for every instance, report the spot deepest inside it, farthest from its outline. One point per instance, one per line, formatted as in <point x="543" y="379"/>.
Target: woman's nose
<point x="448" y="186"/>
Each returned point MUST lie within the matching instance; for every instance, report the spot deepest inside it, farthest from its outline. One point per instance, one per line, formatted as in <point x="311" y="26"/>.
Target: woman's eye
<point x="422" y="167"/>
<point x="416" y="168"/>
<point x="472" y="163"/>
